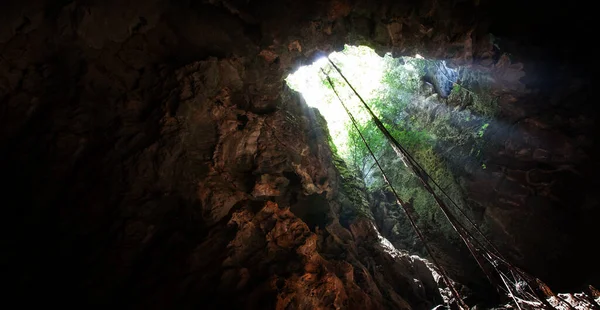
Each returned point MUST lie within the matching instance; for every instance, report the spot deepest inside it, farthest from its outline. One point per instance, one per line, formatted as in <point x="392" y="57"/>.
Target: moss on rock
<point x="352" y="196"/>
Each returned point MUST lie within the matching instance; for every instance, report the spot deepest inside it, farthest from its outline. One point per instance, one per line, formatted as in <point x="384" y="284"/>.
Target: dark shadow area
<point x="313" y="210"/>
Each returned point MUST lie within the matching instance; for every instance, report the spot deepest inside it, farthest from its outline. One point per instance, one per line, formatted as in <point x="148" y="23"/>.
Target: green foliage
<point x="439" y="138"/>
<point x="485" y="104"/>
<point x="420" y="134"/>
<point x="482" y="130"/>
<point x="401" y="83"/>
<point x="456" y="87"/>
<point x="353" y="201"/>
<point x="475" y="92"/>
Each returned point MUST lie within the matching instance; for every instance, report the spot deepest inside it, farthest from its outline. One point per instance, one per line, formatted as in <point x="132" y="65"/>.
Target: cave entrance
<point x="425" y="106"/>
<point x="364" y="66"/>
<point x="413" y="98"/>
<point x="439" y="113"/>
<point x="391" y="86"/>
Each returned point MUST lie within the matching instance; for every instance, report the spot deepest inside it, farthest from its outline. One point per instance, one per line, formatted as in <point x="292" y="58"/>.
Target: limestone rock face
<point x="226" y="195"/>
<point x="153" y="157"/>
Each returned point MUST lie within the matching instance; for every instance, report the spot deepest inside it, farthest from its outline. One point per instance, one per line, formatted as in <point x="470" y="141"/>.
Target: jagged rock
<point x="154" y="157"/>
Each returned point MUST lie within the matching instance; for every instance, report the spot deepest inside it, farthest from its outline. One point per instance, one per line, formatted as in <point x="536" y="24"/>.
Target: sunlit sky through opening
<point x="362" y="67"/>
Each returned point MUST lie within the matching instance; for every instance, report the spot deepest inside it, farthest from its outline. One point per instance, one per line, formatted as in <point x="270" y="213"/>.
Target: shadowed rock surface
<point x="154" y="158"/>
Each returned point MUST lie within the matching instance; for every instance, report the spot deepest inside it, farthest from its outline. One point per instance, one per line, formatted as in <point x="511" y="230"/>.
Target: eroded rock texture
<point x="154" y="159"/>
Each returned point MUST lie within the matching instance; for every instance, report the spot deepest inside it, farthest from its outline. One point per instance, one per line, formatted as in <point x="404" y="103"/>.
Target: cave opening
<point x="426" y="106"/>
<point x="439" y="112"/>
<point x="156" y="158"/>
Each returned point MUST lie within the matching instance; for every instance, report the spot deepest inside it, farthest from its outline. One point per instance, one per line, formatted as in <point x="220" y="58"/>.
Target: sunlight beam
<point x="362" y="66"/>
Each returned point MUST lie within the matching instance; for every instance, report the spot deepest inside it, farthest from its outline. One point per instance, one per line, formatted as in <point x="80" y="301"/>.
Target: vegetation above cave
<point x="413" y="97"/>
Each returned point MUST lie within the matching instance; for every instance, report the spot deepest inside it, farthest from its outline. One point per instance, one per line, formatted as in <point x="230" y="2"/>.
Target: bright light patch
<point x="370" y="74"/>
<point x="361" y="66"/>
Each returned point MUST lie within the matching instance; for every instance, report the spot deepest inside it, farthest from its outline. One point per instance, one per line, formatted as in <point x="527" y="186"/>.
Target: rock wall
<point x="154" y="159"/>
<point x="227" y="208"/>
<point x="515" y="164"/>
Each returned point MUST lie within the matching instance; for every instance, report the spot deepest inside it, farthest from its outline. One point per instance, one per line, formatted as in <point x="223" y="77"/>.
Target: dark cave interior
<point x="155" y="158"/>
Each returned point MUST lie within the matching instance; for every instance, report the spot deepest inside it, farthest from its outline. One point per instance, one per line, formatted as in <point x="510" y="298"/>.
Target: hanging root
<point x="540" y="296"/>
